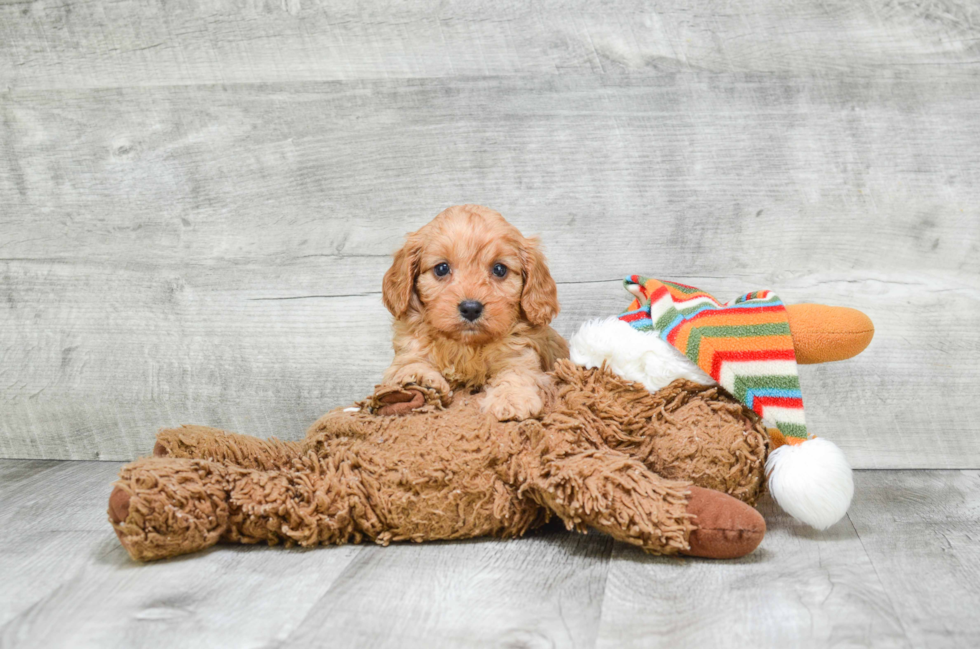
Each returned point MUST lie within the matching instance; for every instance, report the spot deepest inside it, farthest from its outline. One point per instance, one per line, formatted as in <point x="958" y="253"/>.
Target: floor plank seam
<point x="891" y="602"/>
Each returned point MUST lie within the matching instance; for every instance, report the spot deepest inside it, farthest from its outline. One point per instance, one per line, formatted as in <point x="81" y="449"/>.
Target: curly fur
<point x="607" y="454"/>
<point x="509" y="349"/>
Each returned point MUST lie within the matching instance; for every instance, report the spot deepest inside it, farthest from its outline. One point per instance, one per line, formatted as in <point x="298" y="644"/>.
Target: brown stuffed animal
<point x="673" y="472"/>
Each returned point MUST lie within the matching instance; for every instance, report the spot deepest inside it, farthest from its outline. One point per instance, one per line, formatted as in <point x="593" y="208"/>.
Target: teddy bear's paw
<point x="162" y="507"/>
<point x="390" y="399"/>
<point x="512" y="403"/>
<point x="399" y="401"/>
<point x="727" y="528"/>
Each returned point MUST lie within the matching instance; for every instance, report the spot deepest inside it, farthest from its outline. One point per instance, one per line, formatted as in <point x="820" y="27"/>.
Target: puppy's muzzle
<point x="471" y="309"/>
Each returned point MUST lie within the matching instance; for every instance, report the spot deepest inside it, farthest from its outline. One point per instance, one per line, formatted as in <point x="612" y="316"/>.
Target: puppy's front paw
<point x="512" y="402"/>
<point x="419" y="374"/>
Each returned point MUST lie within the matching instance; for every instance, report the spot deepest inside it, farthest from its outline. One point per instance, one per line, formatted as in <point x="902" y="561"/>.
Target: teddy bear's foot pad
<point x="727" y="527"/>
<point x="118" y="505"/>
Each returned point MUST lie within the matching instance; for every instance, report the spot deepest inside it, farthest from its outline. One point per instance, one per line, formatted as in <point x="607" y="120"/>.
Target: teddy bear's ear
<point x="539" y="299"/>
<point x="399" y="281"/>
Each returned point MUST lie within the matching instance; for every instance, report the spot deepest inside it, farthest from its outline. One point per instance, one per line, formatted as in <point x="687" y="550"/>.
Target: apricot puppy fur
<point x="472" y="298"/>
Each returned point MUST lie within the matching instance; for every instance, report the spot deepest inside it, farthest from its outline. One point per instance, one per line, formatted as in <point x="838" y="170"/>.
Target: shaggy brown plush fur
<point x="606" y="454"/>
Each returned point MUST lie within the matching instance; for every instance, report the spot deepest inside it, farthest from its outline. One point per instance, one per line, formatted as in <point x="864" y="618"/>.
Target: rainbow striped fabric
<point x="745" y="345"/>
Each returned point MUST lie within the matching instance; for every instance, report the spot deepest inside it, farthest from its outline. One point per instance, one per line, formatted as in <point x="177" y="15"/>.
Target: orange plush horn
<point x="824" y="333"/>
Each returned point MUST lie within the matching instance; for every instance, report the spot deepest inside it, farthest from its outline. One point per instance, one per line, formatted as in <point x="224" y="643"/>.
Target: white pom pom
<point x="632" y="354"/>
<point x="811" y="481"/>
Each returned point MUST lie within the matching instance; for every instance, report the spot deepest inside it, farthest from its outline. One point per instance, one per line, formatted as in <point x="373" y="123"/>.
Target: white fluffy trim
<point x="811" y="481"/>
<point x="632" y="354"/>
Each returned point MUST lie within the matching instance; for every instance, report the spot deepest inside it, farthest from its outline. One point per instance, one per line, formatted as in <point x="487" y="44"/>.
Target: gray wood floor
<point x="902" y="570"/>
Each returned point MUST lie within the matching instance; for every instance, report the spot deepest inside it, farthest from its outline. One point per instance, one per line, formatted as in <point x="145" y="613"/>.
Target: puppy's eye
<point x="441" y="270"/>
<point x="499" y="270"/>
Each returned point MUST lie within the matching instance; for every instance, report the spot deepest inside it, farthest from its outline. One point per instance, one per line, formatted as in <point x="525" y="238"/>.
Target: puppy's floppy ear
<point x="540" y="297"/>
<point x="399" y="282"/>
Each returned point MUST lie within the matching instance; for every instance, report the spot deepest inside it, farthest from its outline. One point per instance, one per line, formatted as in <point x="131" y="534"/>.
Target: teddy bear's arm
<point x="202" y="442"/>
<point x="163" y="507"/>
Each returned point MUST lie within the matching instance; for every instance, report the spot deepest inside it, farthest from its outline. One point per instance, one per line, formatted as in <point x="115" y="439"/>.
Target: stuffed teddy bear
<point x="657" y="432"/>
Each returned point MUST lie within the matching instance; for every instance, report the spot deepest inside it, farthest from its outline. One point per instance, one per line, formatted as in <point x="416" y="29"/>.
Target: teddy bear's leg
<point x="314" y="501"/>
<point x="202" y="442"/>
<point x="163" y="507"/>
<point x="617" y="494"/>
<point x="701" y="434"/>
<point x="685" y="431"/>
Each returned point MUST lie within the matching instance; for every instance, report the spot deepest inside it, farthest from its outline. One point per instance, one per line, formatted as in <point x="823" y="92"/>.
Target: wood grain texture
<point x="52" y="524"/>
<point x="68" y="582"/>
<point x="900" y="571"/>
<point x="58" y="43"/>
<point x="801" y="588"/>
<point x="543" y="591"/>
<point x="213" y="253"/>
<point x="920" y="532"/>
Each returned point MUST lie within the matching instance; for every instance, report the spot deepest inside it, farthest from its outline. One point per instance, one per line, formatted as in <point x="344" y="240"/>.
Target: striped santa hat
<point x="673" y="331"/>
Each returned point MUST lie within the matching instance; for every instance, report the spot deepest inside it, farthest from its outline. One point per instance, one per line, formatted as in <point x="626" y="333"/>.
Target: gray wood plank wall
<point x="198" y="201"/>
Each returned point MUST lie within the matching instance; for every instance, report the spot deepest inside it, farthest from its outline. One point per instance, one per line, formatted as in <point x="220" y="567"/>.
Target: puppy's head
<point x="471" y="275"/>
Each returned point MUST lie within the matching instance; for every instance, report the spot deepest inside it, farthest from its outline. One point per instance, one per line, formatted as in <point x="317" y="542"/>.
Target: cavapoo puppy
<point x="472" y="299"/>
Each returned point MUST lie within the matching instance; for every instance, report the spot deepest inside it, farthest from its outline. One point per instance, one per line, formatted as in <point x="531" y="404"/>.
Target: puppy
<point x="472" y="299"/>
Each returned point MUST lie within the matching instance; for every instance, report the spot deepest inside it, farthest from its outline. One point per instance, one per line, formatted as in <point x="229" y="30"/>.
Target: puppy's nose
<point x="470" y="309"/>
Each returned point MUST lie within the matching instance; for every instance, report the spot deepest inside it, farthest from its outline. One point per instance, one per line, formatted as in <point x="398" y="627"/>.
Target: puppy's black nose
<point x="470" y="309"/>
